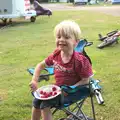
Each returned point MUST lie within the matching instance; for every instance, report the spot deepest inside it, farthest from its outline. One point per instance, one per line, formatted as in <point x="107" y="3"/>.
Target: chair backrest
<point x="80" y="46"/>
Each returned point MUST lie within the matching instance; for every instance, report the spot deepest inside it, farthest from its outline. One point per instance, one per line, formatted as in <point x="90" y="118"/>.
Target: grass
<point x="24" y="45"/>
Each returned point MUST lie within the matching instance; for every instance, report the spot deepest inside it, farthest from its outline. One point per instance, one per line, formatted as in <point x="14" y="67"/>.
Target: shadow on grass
<point x="14" y="23"/>
<point x="22" y="22"/>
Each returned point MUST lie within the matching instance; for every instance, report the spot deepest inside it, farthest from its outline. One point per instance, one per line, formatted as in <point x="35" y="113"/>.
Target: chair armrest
<point x="42" y="76"/>
<point x="73" y="89"/>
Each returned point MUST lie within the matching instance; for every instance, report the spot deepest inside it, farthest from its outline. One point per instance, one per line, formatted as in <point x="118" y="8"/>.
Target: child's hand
<point x="33" y="85"/>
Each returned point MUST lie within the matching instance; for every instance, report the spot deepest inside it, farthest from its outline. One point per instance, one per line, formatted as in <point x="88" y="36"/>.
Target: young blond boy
<point x="70" y="67"/>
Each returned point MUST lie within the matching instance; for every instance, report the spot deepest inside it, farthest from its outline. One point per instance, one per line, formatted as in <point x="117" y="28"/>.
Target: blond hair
<point x="68" y="28"/>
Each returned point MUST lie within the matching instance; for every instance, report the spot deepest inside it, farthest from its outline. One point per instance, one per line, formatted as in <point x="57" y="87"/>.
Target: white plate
<point x="48" y="89"/>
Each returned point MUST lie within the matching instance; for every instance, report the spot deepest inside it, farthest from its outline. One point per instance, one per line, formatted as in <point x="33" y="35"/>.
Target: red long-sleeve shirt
<point x="73" y="71"/>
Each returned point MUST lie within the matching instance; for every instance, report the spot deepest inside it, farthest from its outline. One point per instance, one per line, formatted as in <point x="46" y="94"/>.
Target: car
<point x="80" y="2"/>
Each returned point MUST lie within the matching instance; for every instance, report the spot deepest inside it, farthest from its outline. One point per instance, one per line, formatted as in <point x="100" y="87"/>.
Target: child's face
<point x="65" y="43"/>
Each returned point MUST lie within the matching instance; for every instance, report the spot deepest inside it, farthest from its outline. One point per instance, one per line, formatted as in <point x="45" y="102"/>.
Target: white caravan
<point x="16" y="8"/>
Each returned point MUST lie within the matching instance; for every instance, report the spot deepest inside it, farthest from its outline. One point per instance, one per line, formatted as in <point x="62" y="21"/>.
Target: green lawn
<point x="24" y="45"/>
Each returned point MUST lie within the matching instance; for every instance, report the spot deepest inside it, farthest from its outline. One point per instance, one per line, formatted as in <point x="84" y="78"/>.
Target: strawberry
<point x="49" y="94"/>
<point x="46" y="96"/>
<point x="43" y="96"/>
<point x="41" y="92"/>
<point x="54" y="88"/>
<point x="44" y="93"/>
<point x="55" y="93"/>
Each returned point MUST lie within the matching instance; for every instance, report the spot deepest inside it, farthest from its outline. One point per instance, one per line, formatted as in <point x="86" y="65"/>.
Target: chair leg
<point x="81" y="103"/>
<point x="71" y="113"/>
<point x="54" y="111"/>
<point x="93" y="109"/>
<point x="79" y="111"/>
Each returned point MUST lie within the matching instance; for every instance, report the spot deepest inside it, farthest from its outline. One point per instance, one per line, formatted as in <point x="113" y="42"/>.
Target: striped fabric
<point x="27" y="4"/>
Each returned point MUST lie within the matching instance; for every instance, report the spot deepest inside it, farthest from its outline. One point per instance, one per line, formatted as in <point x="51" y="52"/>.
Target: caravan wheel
<point x="32" y="19"/>
<point x="4" y="21"/>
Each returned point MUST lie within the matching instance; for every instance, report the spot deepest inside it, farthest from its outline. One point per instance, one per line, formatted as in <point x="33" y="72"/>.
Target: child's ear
<point x="75" y="42"/>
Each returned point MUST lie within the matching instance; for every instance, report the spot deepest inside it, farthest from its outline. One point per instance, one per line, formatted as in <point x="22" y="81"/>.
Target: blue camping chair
<point x="88" y="90"/>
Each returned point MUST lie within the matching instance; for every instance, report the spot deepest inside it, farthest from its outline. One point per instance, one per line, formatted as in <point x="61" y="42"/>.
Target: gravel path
<point x="112" y="10"/>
